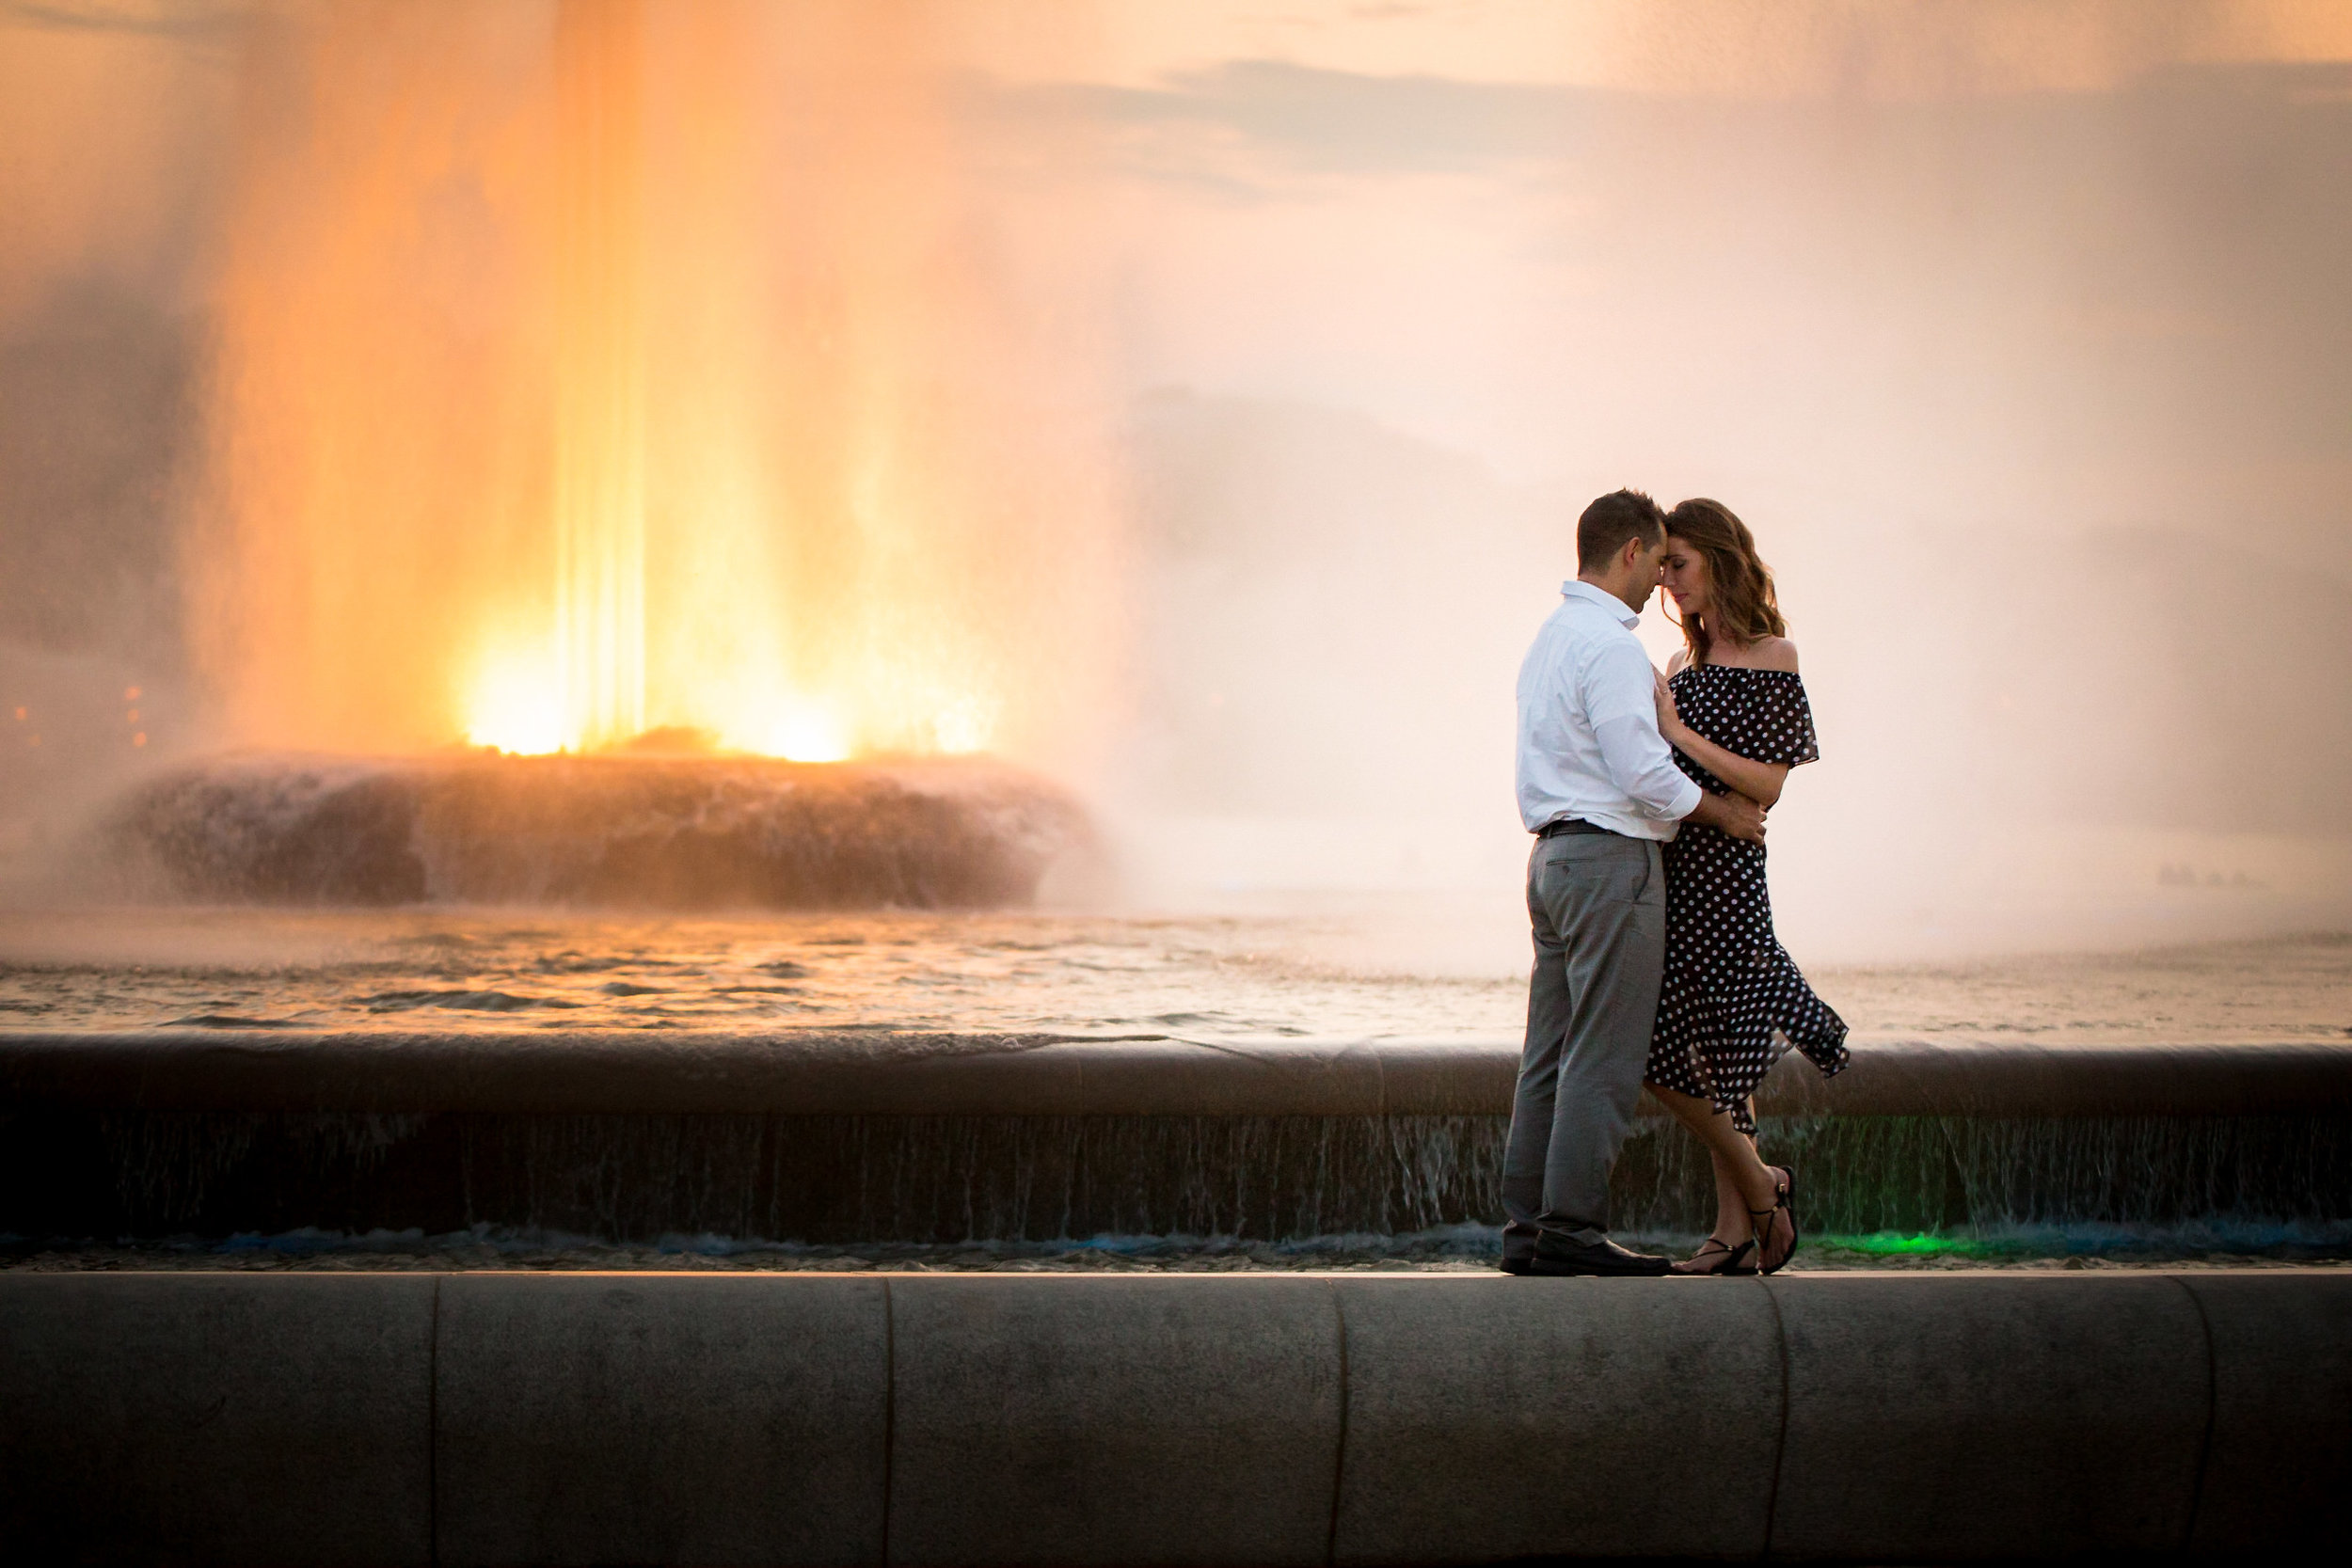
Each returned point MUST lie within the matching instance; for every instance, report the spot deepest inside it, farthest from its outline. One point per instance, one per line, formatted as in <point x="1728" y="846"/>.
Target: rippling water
<point x="1367" y="973"/>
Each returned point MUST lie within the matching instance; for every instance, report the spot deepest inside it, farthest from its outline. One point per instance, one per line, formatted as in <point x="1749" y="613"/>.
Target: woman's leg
<point x="1731" y="1208"/>
<point x="1742" y="1183"/>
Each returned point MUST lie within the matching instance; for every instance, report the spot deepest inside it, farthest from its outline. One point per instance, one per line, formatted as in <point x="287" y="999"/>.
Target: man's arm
<point x="1620" y="698"/>
<point x="1641" y="764"/>
<point x="1733" y="814"/>
<point x="1620" y="703"/>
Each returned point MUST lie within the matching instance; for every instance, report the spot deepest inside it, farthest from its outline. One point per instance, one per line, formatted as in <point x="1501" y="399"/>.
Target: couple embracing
<point x="1655" y="957"/>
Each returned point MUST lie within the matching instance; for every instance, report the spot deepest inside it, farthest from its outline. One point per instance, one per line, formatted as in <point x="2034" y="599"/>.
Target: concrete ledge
<point x="1188" y="1419"/>
<point x="1612" y="1419"/>
<point x="592" y="1072"/>
<point x="605" y="1418"/>
<point x="1113" y="1421"/>
<point x="2280" y="1455"/>
<point x="1900" y="1078"/>
<point x="1988" y="1416"/>
<point x="216" y="1418"/>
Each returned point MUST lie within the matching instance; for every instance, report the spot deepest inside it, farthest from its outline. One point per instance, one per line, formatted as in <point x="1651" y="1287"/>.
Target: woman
<point x="1733" y="708"/>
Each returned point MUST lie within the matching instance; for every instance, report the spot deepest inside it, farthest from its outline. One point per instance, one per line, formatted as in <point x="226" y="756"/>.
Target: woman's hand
<point x="1760" y="782"/>
<point x="1669" y="717"/>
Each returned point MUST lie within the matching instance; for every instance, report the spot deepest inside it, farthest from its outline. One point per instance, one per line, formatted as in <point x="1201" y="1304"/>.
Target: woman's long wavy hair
<point x="1740" y="602"/>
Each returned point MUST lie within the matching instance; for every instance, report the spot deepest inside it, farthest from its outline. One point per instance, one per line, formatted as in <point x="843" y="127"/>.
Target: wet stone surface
<point x="1464" y="1250"/>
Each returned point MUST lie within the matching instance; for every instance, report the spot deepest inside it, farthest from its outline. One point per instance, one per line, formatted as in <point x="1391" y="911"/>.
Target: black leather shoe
<point x="1557" y="1255"/>
<point x="1517" y="1262"/>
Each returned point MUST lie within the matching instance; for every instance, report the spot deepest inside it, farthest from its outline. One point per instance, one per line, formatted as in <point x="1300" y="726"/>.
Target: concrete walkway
<point x="1252" y="1418"/>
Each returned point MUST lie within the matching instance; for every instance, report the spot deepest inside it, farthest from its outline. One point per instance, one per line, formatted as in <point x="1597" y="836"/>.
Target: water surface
<point x="1367" y="973"/>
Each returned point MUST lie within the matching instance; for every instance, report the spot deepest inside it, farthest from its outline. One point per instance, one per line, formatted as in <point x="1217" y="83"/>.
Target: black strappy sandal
<point x="1769" y="1259"/>
<point x="1724" y="1260"/>
<point x="1785" y="1192"/>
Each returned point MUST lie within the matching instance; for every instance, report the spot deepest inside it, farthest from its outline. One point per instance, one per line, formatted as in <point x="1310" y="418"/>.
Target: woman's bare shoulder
<point x="1676" y="660"/>
<point x="1774" y="653"/>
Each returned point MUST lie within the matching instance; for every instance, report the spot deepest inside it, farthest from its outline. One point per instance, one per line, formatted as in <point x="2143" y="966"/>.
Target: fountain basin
<point x="614" y="830"/>
<point x="811" y="1072"/>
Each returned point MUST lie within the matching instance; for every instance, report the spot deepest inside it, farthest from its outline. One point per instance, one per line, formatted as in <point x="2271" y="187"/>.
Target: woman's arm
<point x="1759" y="782"/>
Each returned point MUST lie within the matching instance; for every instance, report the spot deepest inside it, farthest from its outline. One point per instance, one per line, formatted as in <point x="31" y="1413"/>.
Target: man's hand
<point x="1733" y="814"/>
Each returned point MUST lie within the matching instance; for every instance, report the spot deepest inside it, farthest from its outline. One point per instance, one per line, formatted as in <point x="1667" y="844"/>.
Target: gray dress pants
<point x="1597" y="903"/>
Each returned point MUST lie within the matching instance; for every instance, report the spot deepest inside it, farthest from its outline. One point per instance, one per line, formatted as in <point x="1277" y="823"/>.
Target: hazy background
<point x="2018" y="333"/>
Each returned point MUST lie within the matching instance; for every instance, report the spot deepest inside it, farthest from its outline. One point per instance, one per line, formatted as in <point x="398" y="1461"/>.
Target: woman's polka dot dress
<point x="1730" y="987"/>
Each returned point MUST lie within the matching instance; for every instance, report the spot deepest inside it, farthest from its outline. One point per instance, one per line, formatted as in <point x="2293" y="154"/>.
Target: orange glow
<point x="617" y="369"/>
<point x="802" y="731"/>
<point x="600" y="371"/>
<point x="516" y="704"/>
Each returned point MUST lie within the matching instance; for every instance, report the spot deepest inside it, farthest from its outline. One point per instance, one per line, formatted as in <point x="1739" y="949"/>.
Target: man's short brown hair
<point x="1609" y="522"/>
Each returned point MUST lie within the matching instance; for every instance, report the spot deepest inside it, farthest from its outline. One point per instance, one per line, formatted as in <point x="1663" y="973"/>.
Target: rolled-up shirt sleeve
<point x="1621" y="704"/>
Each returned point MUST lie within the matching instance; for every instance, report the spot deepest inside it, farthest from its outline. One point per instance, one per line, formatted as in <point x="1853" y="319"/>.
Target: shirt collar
<point x="1577" y="588"/>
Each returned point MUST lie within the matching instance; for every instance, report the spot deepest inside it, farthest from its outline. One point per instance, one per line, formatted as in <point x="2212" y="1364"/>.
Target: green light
<point x="1887" y="1243"/>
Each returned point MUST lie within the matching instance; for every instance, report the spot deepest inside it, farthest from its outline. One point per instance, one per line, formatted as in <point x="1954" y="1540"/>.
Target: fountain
<point x="620" y="507"/>
<point x="692" y="549"/>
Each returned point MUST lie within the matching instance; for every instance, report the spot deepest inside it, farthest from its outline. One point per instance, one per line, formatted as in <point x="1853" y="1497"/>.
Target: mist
<point x="2029" y="373"/>
<point x="2018" y="335"/>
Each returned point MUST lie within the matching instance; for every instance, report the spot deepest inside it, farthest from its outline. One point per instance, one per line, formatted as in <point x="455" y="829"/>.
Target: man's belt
<point x="1569" y="825"/>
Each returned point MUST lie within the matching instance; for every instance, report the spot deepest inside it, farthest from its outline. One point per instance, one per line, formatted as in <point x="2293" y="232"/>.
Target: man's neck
<point x="1610" y="589"/>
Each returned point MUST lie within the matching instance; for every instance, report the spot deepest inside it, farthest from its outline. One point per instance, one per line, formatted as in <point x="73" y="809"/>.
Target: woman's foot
<point x="1717" y="1256"/>
<point x="1775" y="1228"/>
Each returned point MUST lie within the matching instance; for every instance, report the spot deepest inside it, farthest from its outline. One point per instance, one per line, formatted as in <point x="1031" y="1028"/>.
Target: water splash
<point x="646" y="371"/>
<point x="1885" y="1187"/>
<point x="608" y="831"/>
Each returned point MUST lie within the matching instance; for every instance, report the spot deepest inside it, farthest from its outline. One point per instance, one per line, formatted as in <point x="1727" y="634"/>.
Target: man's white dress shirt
<point x="1589" y="745"/>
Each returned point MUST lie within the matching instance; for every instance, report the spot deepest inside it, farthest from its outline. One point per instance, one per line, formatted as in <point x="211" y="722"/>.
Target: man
<point x="1599" y="789"/>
